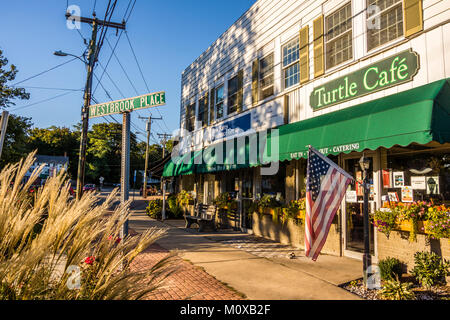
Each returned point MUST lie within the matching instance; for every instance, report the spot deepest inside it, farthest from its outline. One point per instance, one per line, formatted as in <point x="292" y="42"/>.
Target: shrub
<point x="154" y="209"/>
<point x="430" y="269"/>
<point x="184" y="197"/>
<point x="395" y="290"/>
<point x="75" y="235"/>
<point x="390" y="268"/>
<point x="174" y="208"/>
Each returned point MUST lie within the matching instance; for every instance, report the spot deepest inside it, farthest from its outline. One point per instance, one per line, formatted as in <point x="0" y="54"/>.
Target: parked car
<point x="151" y="190"/>
<point x="89" y="187"/>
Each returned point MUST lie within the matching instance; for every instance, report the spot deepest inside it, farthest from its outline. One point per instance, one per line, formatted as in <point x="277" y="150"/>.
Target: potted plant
<point x="385" y="220"/>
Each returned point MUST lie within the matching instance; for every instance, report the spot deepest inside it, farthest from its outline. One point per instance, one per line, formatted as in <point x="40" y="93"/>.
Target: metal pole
<point x="149" y="128"/>
<point x="164" y="200"/>
<point x="84" y="111"/>
<point x="125" y="167"/>
<point x="4" y="126"/>
<point x="367" y="257"/>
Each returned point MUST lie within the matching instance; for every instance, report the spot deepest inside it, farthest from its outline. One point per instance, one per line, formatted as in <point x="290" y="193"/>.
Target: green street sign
<point x="127" y="105"/>
<point x="381" y="75"/>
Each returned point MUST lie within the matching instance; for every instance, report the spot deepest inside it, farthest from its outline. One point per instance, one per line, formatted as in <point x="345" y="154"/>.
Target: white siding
<point x="268" y="24"/>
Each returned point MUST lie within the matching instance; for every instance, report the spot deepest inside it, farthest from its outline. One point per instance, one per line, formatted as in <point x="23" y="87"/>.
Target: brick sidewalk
<point x="187" y="282"/>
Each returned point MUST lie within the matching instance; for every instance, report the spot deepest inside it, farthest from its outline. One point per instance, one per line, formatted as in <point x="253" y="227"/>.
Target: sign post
<point x="125" y="106"/>
<point x="125" y="167"/>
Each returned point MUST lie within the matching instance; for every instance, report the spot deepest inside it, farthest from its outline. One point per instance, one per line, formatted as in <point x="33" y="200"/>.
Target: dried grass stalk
<point x="47" y="235"/>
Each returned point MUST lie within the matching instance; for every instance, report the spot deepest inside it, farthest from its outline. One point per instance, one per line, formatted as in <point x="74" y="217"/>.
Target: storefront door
<point x="246" y="199"/>
<point x="353" y="222"/>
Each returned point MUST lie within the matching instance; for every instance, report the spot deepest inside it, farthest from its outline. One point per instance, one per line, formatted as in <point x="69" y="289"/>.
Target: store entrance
<point x="353" y="209"/>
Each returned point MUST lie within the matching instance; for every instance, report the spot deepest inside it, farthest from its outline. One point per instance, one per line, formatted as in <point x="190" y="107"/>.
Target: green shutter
<point x="240" y="94"/>
<point x="412" y="16"/>
<point x="304" y="54"/>
<point x="319" y="61"/>
<point x="255" y="81"/>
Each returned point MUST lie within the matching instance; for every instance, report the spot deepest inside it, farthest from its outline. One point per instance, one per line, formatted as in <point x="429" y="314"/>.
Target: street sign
<point x="119" y="106"/>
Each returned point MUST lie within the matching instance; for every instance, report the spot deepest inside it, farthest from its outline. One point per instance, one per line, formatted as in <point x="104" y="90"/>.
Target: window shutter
<point x="206" y="112"/>
<point x="412" y="16"/>
<point x="255" y="81"/>
<point x="319" y="61"/>
<point x="304" y="54"/>
<point x="240" y="94"/>
<point x="212" y="107"/>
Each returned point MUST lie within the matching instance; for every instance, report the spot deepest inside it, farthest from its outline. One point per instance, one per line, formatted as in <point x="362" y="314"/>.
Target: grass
<point x="47" y="238"/>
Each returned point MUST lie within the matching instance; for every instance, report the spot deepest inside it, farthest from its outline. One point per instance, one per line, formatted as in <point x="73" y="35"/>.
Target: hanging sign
<point x="119" y="106"/>
<point x="381" y="75"/>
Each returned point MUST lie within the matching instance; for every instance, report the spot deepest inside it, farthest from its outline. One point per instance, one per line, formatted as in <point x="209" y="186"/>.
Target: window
<point x="291" y="63"/>
<point x="218" y="97"/>
<point x="190" y="117"/>
<point x="266" y="77"/>
<point x="338" y="39"/>
<point x="384" y="22"/>
<point x="203" y="110"/>
<point x="234" y="93"/>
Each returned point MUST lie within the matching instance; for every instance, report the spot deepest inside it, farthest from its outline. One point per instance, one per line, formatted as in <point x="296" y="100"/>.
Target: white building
<point x="344" y="76"/>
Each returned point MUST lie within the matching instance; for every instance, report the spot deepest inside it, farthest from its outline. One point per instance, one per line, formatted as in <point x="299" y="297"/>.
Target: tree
<point x="57" y="141"/>
<point x="7" y="94"/>
<point x="105" y="150"/>
<point x="16" y="144"/>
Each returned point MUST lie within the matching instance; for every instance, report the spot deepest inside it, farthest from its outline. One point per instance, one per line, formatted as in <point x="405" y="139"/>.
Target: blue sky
<point x="166" y="37"/>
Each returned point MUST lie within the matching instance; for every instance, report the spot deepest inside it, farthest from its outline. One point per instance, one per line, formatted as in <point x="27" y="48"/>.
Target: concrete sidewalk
<point x="227" y="255"/>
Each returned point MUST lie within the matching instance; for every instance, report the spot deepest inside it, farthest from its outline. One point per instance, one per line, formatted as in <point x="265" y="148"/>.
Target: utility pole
<point x="3" y="127"/>
<point x="93" y="53"/>
<point x="164" y="137"/>
<point x="148" y="128"/>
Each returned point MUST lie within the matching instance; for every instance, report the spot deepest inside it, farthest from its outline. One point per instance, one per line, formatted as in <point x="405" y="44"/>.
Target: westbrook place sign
<point x="120" y="106"/>
<point x="386" y="73"/>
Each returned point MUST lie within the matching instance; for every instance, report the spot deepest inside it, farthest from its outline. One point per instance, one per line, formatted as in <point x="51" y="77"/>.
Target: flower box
<point x="269" y="211"/>
<point x="407" y="225"/>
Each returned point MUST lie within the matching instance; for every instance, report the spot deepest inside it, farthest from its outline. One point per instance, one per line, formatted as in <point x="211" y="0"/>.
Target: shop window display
<point x="417" y="175"/>
<point x="274" y="185"/>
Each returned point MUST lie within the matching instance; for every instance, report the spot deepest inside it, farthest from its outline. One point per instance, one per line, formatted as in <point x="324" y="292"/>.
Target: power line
<point x="42" y="101"/>
<point x="50" y="88"/>
<point x="143" y="78"/>
<point x="43" y="72"/>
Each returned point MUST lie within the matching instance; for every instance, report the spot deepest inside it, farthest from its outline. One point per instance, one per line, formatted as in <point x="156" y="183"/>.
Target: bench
<point x="228" y="218"/>
<point x="204" y="215"/>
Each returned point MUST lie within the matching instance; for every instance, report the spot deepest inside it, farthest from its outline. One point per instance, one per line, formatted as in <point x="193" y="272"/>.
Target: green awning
<point x="237" y="153"/>
<point x="418" y="115"/>
<point x="180" y="165"/>
<point x="233" y="154"/>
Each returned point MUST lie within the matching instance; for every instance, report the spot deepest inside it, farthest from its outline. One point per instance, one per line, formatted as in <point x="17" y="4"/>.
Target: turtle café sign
<point x="145" y="101"/>
<point x="383" y="74"/>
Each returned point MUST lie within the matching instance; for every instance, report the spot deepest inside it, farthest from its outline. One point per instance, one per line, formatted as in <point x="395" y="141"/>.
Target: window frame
<point x="203" y="116"/>
<point x="390" y="42"/>
<point x="326" y="41"/>
<point x="216" y="103"/>
<point x="284" y="68"/>
<point x="235" y="105"/>
<point x="189" y="118"/>
<point x="260" y="79"/>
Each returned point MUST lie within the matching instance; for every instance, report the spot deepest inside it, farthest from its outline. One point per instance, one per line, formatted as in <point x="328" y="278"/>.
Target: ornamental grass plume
<point x="55" y="247"/>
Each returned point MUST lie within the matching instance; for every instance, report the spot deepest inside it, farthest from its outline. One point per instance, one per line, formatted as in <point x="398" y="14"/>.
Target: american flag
<point x="326" y="184"/>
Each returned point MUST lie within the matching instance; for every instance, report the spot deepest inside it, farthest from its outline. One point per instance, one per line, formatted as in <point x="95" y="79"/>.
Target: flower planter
<point x="405" y="226"/>
<point x="269" y="211"/>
